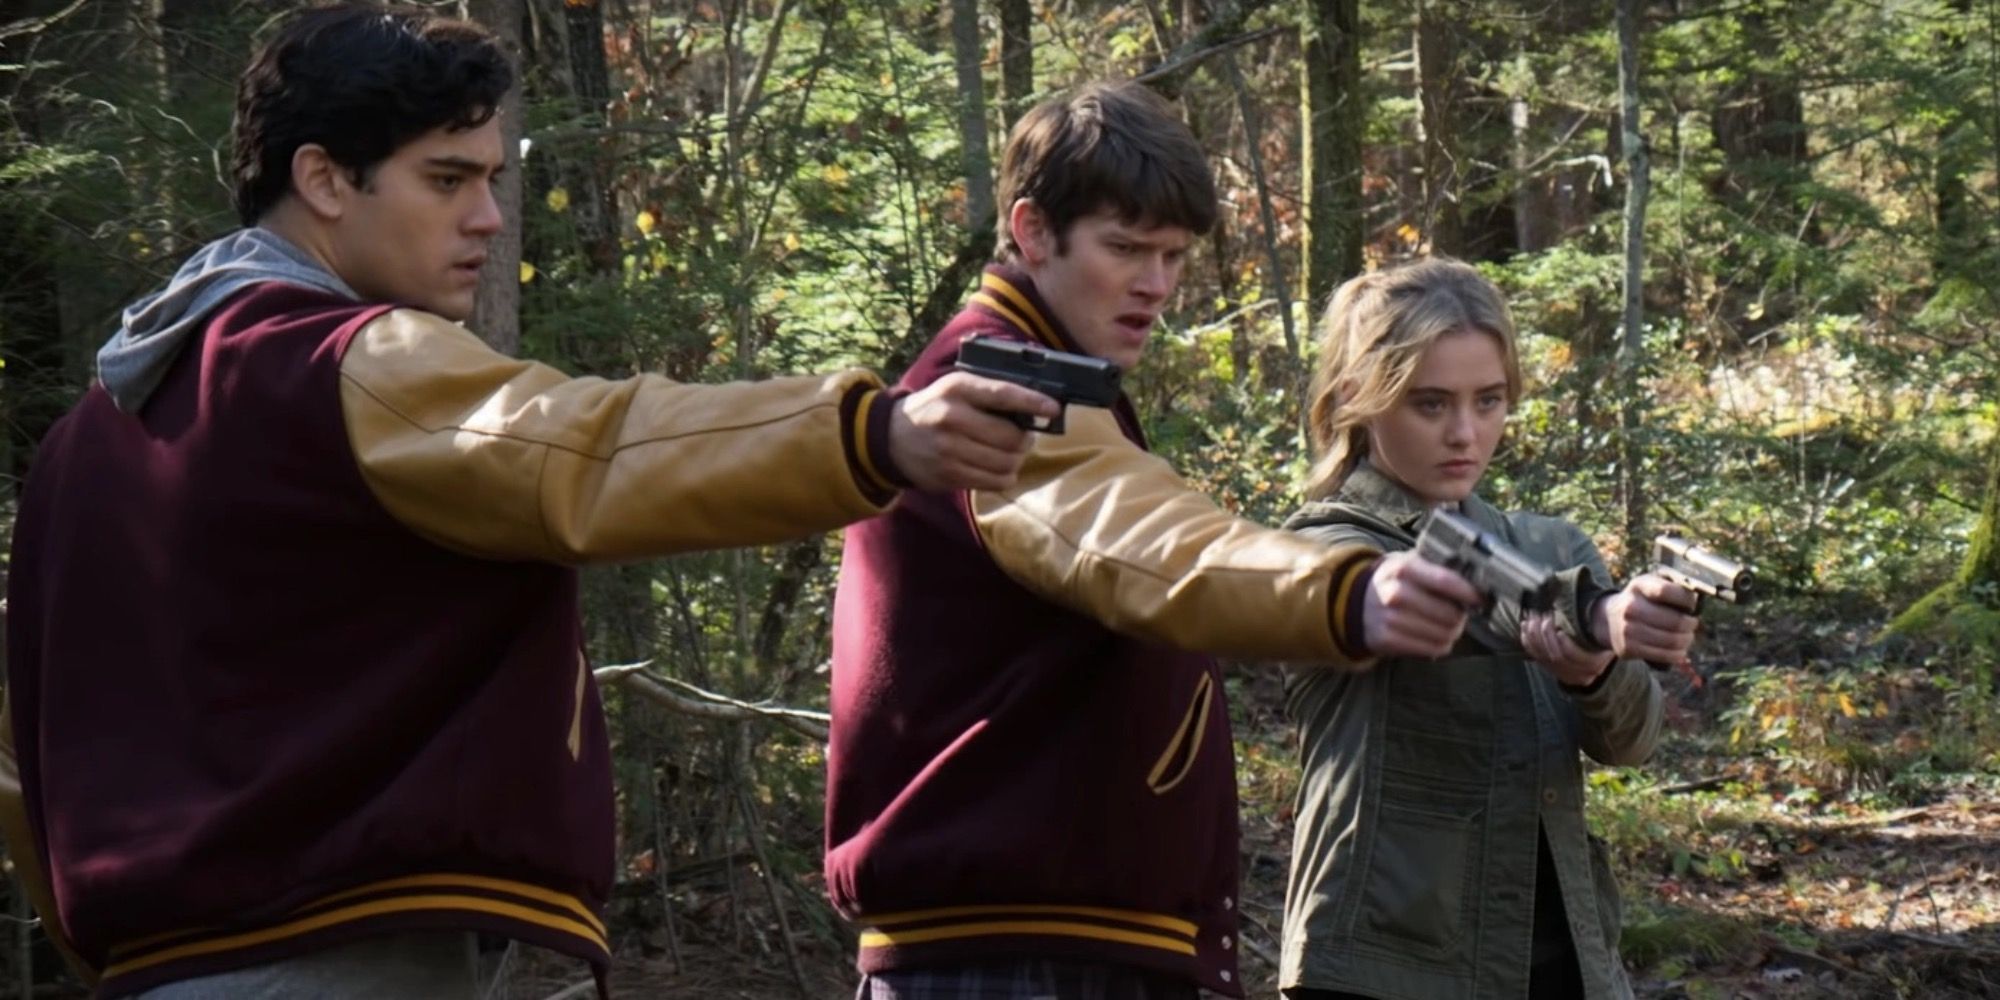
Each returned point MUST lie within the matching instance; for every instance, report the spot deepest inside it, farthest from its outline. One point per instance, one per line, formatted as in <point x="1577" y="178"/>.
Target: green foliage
<point x="1854" y="728"/>
<point x="1656" y="935"/>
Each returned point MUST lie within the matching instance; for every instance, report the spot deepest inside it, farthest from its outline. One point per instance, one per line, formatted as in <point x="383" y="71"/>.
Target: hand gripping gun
<point x="1063" y="377"/>
<point x="1706" y="573"/>
<point x="1494" y="568"/>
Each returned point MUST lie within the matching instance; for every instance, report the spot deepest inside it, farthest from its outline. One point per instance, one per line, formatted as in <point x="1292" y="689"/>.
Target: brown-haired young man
<point x="295" y="671"/>
<point x="1031" y="788"/>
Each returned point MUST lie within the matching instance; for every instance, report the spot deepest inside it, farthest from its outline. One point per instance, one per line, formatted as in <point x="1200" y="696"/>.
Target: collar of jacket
<point x="1366" y="487"/>
<point x="1008" y="294"/>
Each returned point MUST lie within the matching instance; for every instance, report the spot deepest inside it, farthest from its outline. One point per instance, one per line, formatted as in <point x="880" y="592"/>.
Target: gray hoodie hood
<point x="155" y="328"/>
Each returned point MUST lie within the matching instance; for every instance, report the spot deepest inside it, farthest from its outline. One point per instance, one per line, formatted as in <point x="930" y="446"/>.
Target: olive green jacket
<point x="1413" y="860"/>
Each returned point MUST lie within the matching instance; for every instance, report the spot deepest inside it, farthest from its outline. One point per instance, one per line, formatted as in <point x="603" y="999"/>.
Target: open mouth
<point x="1138" y="323"/>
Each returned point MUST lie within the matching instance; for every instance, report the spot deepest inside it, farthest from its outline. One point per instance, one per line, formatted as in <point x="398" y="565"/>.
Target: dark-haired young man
<point x="295" y="671"/>
<point x="1031" y="789"/>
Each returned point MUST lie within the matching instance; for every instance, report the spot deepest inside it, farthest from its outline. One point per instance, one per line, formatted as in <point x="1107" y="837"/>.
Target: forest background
<point x="1753" y="248"/>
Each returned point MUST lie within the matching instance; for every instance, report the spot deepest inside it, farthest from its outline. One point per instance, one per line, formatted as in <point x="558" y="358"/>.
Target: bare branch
<point x="34" y="25"/>
<point x="691" y="700"/>
<point x="753" y="92"/>
<point x="1166" y="77"/>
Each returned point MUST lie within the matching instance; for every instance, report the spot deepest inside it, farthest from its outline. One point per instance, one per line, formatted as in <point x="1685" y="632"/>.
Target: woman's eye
<point x="1491" y="402"/>
<point x="1430" y="407"/>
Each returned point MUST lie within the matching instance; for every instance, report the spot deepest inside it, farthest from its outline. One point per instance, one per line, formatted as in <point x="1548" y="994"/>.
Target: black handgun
<point x="1061" y="376"/>
<point x="1493" y="567"/>
<point x="1707" y="573"/>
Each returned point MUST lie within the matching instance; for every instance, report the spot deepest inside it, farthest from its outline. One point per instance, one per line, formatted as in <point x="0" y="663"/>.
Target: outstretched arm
<point x="512" y="459"/>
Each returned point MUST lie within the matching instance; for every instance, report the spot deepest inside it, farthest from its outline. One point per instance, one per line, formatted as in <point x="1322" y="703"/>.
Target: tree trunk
<point x="34" y="379"/>
<point x="1956" y="215"/>
<point x="1631" y="346"/>
<point x="35" y="383"/>
<point x="1977" y="583"/>
<point x="1332" y="115"/>
<point x="1759" y="121"/>
<point x="968" y="54"/>
<point x="1017" y="60"/>
<point x="1253" y="137"/>
<point x="202" y="44"/>
<point x="589" y="176"/>
<point x="1438" y="74"/>
<point x="496" y="312"/>
<point x="1982" y="559"/>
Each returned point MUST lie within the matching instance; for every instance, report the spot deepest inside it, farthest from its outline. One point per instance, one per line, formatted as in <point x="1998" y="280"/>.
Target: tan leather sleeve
<point x="24" y="856"/>
<point x="1097" y="524"/>
<point x="512" y="459"/>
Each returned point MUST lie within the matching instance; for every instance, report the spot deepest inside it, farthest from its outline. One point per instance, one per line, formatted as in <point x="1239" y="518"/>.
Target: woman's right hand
<point x="1414" y="608"/>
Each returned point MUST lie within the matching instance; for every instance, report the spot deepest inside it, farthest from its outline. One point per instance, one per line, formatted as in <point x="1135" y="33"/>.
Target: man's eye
<point x="448" y="182"/>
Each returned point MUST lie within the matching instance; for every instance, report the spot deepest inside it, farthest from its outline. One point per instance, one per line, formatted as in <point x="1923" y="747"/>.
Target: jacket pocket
<point x="1178" y="758"/>
<point x="1415" y="892"/>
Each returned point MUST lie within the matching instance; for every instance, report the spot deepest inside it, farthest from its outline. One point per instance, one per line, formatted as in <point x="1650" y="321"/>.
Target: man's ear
<point x="319" y="182"/>
<point x="1030" y="226"/>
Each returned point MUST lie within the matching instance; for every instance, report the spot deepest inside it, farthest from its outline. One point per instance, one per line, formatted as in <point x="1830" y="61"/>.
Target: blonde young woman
<point x="1441" y="850"/>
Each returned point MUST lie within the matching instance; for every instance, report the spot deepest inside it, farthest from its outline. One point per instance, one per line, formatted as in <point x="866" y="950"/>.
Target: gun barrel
<point x="1714" y="572"/>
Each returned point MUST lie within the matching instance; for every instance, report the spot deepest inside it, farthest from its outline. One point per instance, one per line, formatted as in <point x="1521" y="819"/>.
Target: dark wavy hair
<point x="361" y="80"/>
<point x="1115" y="146"/>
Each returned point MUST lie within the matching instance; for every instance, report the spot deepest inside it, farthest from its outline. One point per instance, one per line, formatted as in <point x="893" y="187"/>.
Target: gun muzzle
<point x="1712" y="572"/>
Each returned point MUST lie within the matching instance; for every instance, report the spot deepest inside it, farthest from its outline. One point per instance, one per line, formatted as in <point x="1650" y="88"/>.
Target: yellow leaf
<point x="527" y="272"/>
<point x="646" y="222"/>
<point x="835" y="175"/>
<point x="1846" y="706"/>
<point x="1407" y="233"/>
<point x="558" y="200"/>
<point x="1881" y="709"/>
<point x="791" y="241"/>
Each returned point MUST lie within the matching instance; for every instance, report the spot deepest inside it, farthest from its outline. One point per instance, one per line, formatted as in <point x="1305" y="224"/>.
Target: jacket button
<point x="1226" y="943"/>
<point x="1549" y="796"/>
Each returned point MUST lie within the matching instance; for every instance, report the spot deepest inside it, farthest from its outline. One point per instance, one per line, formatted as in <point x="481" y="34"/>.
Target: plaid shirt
<point x="1027" y="979"/>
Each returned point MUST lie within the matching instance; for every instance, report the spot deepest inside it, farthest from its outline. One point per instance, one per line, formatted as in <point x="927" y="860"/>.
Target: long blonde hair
<point x="1372" y="339"/>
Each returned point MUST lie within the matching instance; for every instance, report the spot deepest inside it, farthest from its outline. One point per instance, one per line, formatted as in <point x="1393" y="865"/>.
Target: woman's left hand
<point x="1559" y="654"/>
